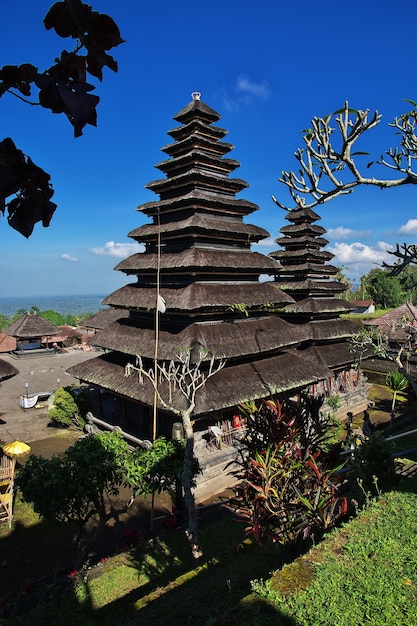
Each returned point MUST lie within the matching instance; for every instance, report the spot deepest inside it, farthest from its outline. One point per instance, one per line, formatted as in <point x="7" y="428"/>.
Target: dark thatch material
<point x="301" y="254"/>
<point x="197" y="109"/>
<point x="194" y="259"/>
<point x="202" y="225"/>
<point x="31" y="326"/>
<point x="225" y="389"/>
<point x="302" y="214"/>
<point x="198" y="128"/>
<point x="245" y="339"/>
<point x="310" y="286"/>
<point x="298" y="229"/>
<point x="306" y="269"/>
<point x="196" y="200"/>
<point x="195" y="177"/>
<point x="319" y="305"/>
<point x="7" y="370"/>
<point x="334" y="355"/>
<point x="301" y="241"/>
<point x="104" y="318"/>
<point x="329" y="330"/>
<point x="201" y="296"/>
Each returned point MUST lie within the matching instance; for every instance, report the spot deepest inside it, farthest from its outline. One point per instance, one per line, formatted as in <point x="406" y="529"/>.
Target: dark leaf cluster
<point x="63" y="88"/>
<point x="29" y="188"/>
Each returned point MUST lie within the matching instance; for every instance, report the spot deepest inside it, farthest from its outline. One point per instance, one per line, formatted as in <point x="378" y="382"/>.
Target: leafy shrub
<point x="289" y="488"/>
<point x="64" y="410"/>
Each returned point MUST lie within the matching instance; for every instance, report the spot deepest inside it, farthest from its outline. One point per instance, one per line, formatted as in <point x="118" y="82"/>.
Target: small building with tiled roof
<point x="7" y="343"/>
<point x="362" y="307"/>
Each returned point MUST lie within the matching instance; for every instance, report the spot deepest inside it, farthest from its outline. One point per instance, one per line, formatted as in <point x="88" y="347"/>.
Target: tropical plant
<point x="334" y="402"/>
<point x="288" y="483"/>
<point x="396" y="382"/>
<point x="64" y="410"/>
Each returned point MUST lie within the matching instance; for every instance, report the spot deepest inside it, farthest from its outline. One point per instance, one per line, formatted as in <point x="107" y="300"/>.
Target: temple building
<point x="197" y="288"/>
<point x="306" y="276"/>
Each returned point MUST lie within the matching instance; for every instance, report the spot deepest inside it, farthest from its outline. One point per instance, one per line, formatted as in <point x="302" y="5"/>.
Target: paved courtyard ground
<point x="41" y="374"/>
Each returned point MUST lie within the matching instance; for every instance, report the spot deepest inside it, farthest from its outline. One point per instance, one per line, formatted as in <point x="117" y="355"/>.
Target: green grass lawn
<point x="364" y="573"/>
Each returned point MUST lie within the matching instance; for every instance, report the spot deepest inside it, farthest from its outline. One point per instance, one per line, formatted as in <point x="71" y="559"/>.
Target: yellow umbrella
<point x="16" y="448"/>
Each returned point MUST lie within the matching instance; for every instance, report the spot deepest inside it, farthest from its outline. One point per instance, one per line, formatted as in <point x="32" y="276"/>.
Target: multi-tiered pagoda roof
<point x="198" y="260"/>
<point x="308" y="277"/>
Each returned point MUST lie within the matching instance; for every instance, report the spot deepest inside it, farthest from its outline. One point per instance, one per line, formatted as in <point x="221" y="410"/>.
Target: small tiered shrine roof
<point x="307" y="276"/>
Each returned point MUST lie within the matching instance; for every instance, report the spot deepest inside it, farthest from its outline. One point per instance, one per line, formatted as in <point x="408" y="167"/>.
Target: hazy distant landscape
<point x="66" y="305"/>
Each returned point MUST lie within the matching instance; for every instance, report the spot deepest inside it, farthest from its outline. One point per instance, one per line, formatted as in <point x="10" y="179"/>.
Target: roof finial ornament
<point x="196" y="95"/>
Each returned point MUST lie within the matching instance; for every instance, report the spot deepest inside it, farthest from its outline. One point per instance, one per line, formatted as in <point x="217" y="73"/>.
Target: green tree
<point x="82" y="486"/>
<point x="4" y="321"/>
<point x="396" y="382"/>
<point x="55" y="318"/>
<point x="78" y="486"/>
<point x="183" y="379"/>
<point x="25" y="189"/>
<point x="384" y="289"/>
<point x="64" y="410"/>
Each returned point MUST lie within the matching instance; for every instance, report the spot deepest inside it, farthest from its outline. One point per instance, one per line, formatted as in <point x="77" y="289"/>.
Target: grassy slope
<point x="364" y="573"/>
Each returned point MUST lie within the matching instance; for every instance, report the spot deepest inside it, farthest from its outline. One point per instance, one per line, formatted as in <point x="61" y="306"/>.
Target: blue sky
<point x="266" y="67"/>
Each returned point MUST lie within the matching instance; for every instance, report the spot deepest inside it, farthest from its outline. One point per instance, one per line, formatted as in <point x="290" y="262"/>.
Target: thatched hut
<point x="32" y="332"/>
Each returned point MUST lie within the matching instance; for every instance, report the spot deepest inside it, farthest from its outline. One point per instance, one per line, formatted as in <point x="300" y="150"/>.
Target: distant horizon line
<point x="54" y="295"/>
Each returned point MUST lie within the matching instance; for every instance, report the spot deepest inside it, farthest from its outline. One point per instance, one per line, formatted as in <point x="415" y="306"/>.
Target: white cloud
<point x="118" y="250"/>
<point x="358" y="258"/>
<point x="344" y="233"/>
<point x="68" y="257"/>
<point x="410" y="228"/>
<point x="243" y="92"/>
<point x="259" y="90"/>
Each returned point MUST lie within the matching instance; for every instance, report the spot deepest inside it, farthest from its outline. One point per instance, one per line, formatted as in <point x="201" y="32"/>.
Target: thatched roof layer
<point x="7" y="343"/>
<point x="319" y="305"/>
<point x="227" y="388"/>
<point x="201" y="296"/>
<point x="104" y="318"/>
<point x="7" y="370"/>
<point x="29" y="326"/>
<point x="200" y="224"/>
<point x="195" y="259"/>
<point x="406" y="311"/>
<point x="243" y="339"/>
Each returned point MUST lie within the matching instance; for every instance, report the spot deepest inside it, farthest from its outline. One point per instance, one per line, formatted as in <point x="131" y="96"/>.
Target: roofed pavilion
<point x="198" y="259"/>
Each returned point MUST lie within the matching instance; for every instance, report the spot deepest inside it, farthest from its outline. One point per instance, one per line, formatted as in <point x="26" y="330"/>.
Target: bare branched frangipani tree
<point x="329" y="165"/>
<point x="176" y="384"/>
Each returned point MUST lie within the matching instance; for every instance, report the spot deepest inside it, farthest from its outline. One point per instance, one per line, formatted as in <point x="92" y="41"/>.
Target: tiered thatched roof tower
<point x="198" y="260"/>
<point x="306" y="275"/>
